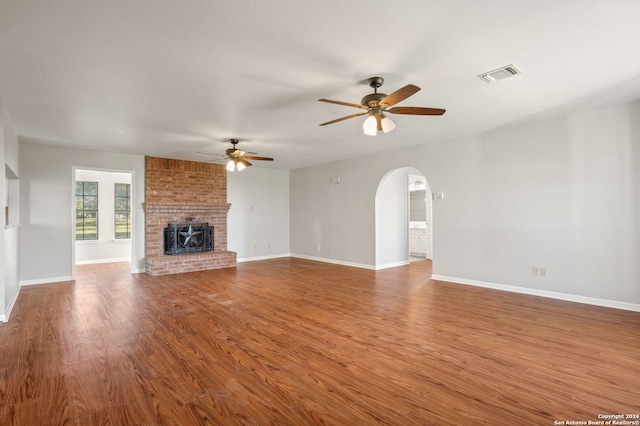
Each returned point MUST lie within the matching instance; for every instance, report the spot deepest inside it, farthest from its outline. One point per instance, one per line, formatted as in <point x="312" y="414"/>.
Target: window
<point x="122" y="214"/>
<point x="86" y="210"/>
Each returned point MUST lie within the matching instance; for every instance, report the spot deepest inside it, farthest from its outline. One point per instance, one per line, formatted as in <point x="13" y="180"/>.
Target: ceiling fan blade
<point x="343" y="118"/>
<point x="379" y="121"/>
<point x="251" y="157"/>
<point x="215" y="156"/>
<point x="416" y="111"/>
<point x="243" y="161"/>
<point x="399" y="95"/>
<point x="343" y="103"/>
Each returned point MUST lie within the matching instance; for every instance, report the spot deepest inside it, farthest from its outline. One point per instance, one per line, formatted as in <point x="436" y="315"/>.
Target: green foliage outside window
<point x="86" y="210"/>
<point x="122" y="214"/>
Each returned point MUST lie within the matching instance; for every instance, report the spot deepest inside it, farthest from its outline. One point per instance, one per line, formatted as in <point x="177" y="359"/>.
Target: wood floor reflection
<point x="295" y="342"/>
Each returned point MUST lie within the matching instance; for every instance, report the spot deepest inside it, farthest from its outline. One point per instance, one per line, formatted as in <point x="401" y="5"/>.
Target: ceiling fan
<point x="238" y="159"/>
<point x="377" y="104"/>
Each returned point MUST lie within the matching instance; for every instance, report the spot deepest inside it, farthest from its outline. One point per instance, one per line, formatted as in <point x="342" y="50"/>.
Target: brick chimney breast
<point x="178" y="189"/>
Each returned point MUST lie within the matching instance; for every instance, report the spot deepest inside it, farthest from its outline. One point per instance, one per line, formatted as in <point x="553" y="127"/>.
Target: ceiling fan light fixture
<point x="240" y="167"/>
<point x="231" y="165"/>
<point x="370" y="126"/>
<point x="387" y="124"/>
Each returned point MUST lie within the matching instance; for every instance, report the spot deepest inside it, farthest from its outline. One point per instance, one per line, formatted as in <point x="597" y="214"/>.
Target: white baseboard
<point x="46" y="281"/>
<point x="543" y="293"/>
<point x="110" y="260"/>
<point x="334" y="261"/>
<point x="392" y="265"/>
<point x="5" y="317"/>
<point x="273" y="256"/>
<point x="7" y="314"/>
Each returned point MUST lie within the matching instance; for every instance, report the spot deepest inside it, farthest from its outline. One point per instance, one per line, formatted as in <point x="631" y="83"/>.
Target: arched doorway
<point x="392" y="217"/>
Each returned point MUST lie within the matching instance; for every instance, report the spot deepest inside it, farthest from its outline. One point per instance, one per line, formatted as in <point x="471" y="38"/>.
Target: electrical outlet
<point x="539" y="271"/>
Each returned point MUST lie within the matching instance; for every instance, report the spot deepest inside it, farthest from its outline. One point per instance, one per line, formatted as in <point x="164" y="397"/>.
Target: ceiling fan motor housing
<point x="373" y="100"/>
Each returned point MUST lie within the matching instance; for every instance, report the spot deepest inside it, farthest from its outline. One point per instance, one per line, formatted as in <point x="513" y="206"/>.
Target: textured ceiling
<point x="173" y="78"/>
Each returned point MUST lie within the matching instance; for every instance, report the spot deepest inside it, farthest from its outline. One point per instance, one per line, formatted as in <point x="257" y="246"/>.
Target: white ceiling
<point x="172" y="78"/>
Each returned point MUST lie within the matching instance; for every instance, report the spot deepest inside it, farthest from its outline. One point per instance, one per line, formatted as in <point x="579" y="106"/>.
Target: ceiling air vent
<point x="500" y="74"/>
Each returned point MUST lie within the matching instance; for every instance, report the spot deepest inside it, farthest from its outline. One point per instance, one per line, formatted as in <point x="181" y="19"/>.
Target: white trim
<point x="112" y="260"/>
<point x="543" y="293"/>
<point x="337" y="262"/>
<point x="273" y="256"/>
<point x="5" y="317"/>
<point x="391" y="265"/>
<point x="46" y="281"/>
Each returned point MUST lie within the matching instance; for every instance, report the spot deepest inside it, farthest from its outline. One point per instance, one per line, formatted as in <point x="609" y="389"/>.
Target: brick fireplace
<point x="182" y="192"/>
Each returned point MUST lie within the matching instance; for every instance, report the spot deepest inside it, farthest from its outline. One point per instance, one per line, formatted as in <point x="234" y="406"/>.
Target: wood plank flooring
<point x="295" y="342"/>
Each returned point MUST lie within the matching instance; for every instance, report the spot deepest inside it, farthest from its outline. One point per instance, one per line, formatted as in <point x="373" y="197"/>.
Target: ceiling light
<point x="240" y="166"/>
<point x="231" y="166"/>
<point x="387" y="124"/>
<point x="370" y="126"/>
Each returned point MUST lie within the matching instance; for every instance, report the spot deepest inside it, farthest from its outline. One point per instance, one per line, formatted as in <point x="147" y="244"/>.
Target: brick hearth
<point x="179" y="190"/>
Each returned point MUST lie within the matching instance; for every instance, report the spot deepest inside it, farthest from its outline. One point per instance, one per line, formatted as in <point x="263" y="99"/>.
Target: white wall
<point x="258" y="220"/>
<point x="335" y="220"/>
<point x="562" y="194"/>
<point x="47" y="207"/>
<point x="106" y="248"/>
<point x="9" y="237"/>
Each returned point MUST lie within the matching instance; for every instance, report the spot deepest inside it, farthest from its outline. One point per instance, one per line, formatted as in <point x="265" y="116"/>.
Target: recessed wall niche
<point x="11" y="194"/>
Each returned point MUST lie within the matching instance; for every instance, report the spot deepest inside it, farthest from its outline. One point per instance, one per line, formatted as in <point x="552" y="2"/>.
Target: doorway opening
<point x="394" y="227"/>
<point x="420" y="241"/>
<point x="102" y="217"/>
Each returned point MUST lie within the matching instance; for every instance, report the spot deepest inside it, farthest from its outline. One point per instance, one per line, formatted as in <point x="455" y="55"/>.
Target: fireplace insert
<point x="181" y="238"/>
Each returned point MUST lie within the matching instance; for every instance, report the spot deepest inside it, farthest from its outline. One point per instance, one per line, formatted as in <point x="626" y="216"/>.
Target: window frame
<point x="121" y="211"/>
<point x="82" y="236"/>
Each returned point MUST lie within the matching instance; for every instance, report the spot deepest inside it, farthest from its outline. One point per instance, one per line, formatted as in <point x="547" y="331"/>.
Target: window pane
<point x="122" y="203"/>
<point x="122" y="218"/>
<point x="90" y="202"/>
<point x="79" y="228"/>
<point x="91" y="188"/>
<point x="122" y="190"/>
<point x="86" y="210"/>
<point x="123" y="225"/>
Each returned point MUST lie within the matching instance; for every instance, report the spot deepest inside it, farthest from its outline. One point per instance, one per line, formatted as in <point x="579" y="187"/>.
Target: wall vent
<point x="500" y="73"/>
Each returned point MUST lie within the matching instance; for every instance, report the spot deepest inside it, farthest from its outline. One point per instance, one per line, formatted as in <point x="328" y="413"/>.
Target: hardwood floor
<point x="295" y="342"/>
